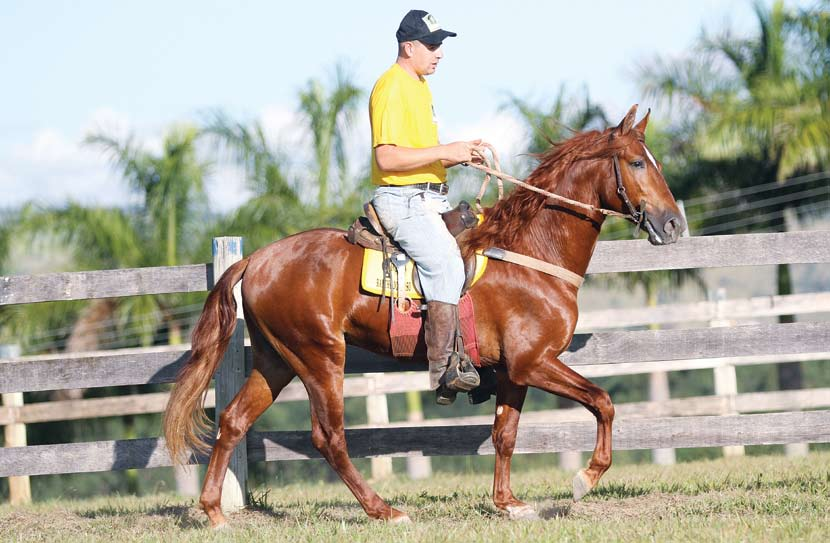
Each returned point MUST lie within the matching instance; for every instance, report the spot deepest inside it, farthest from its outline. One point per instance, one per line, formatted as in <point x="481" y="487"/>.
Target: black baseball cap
<point x="418" y="25"/>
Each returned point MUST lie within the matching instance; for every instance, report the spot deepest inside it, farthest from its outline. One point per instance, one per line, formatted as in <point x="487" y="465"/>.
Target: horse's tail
<point x="185" y="421"/>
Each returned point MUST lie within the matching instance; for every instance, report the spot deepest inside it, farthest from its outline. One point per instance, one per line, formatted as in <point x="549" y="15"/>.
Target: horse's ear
<point x="628" y="121"/>
<point x="641" y="126"/>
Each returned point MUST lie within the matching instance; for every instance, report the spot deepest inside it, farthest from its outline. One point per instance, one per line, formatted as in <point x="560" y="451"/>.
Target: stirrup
<point x="444" y="396"/>
<point x="461" y="375"/>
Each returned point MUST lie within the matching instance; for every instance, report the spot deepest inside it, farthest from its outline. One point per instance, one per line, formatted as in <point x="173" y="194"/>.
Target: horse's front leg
<point x="509" y="400"/>
<point x="552" y="375"/>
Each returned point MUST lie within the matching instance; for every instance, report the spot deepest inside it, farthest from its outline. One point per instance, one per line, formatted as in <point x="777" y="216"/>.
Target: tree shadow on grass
<point x="555" y="511"/>
<point x="184" y="516"/>
<point x="607" y="490"/>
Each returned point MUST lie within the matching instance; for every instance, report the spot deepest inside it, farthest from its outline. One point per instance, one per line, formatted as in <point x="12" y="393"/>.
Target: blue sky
<point x="135" y="67"/>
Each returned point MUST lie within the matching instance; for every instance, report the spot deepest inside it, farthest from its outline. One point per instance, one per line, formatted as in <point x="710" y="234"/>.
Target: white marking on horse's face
<point x="500" y="410"/>
<point x="650" y="156"/>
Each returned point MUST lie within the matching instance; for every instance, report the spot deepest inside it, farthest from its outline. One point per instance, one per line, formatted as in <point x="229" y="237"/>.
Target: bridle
<point x="636" y="215"/>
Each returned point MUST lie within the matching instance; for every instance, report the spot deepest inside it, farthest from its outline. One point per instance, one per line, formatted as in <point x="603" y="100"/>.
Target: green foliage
<point x="171" y="184"/>
<point x="275" y="209"/>
<point x="761" y="100"/>
<point x="329" y="115"/>
<point x="566" y="115"/>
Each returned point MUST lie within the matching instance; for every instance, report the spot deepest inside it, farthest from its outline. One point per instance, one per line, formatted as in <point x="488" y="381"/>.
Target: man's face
<point x="425" y="57"/>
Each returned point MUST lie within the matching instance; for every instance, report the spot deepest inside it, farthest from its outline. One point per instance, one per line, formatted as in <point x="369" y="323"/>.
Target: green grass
<point x="740" y="499"/>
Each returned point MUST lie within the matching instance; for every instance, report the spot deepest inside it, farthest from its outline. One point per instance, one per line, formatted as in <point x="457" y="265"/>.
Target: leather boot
<point x="449" y="372"/>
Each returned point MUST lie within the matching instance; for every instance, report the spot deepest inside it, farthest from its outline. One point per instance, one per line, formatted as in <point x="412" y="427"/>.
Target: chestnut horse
<point x="302" y="306"/>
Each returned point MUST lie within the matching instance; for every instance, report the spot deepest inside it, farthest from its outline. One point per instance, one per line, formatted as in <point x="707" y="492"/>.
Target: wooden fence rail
<point x="751" y="308"/>
<point x="716" y="431"/>
<point x="809" y="247"/>
<point x="91" y="370"/>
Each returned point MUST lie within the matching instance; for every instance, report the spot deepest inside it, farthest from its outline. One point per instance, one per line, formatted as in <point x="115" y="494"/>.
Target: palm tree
<point x="171" y="183"/>
<point x="156" y="233"/>
<point x="173" y="189"/>
<point x="275" y="209"/>
<point x="566" y="115"/>
<point x="760" y="117"/>
<point x="329" y="116"/>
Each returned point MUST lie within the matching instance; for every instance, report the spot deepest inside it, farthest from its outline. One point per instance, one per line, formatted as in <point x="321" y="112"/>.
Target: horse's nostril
<point x="670" y="226"/>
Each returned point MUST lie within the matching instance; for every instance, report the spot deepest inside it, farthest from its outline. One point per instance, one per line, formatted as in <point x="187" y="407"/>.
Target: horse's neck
<point x="564" y="235"/>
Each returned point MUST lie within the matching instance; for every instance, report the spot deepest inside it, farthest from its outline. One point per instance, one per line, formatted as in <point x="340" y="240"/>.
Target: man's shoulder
<point x="389" y="80"/>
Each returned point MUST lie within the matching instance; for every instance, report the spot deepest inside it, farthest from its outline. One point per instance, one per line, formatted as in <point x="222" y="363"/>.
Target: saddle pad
<point x="407" y="335"/>
<point x="371" y="278"/>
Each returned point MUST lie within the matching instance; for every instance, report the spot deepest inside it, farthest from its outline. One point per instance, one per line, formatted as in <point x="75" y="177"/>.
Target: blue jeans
<point x="413" y="218"/>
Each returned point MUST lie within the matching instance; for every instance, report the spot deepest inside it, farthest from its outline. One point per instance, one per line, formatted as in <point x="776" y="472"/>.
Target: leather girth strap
<point x="535" y="264"/>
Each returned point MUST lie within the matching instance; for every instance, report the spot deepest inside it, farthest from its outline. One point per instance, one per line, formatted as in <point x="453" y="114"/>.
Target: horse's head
<point x="636" y="185"/>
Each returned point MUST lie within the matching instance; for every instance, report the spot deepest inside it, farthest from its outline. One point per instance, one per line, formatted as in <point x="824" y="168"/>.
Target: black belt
<point x="440" y="188"/>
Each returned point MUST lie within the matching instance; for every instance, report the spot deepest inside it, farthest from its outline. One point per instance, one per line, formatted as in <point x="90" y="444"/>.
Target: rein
<point x="636" y="215"/>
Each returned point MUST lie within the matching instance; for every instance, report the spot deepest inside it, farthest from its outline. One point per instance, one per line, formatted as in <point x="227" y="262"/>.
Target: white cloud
<point x="226" y="187"/>
<point x="500" y="129"/>
<point x="283" y="126"/>
<point x="52" y="168"/>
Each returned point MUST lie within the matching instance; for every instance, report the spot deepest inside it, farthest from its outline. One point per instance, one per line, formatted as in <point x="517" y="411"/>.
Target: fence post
<point x="20" y="489"/>
<point x="726" y="380"/>
<point x="658" y="391"/>
<point x="231" y="376"/>
<point x="417" y="467"/>
<point x="377" y="412"/>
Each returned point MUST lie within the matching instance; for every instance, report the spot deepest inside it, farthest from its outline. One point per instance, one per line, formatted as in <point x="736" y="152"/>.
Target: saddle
<point x="387" y="269"/>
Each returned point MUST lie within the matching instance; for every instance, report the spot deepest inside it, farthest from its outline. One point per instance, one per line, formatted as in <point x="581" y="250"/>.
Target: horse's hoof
<point x="521" y="512"/>
<point x="582" y="485"/>
<point x="403" y="518"/>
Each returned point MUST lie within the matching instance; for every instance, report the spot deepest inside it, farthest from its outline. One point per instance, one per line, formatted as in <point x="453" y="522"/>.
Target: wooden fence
<point x="593" y="353"/>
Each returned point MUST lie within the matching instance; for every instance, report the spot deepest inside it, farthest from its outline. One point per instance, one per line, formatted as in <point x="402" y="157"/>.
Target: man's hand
<point x="464" y="151"/>
<point x="460" y="151"/>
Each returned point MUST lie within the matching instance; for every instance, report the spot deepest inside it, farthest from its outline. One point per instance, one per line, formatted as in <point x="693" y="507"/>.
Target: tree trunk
<point x="84" y="337"/>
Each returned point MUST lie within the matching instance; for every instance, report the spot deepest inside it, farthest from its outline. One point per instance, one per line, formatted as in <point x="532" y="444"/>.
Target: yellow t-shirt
<point x="400" y="110"/>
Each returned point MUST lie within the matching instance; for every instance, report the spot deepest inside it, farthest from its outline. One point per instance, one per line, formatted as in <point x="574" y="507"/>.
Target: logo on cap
<point x="431" y="22"/>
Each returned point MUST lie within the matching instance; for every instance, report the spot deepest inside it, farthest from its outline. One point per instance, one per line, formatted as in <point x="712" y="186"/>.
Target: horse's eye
<point x="638" y="164"/>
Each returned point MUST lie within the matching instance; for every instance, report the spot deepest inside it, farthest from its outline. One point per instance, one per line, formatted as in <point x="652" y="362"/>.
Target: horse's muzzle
<point x="665" y="228"/>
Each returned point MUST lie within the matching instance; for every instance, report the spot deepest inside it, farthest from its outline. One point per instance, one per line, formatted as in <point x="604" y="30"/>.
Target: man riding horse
<point x="409" y="167"/>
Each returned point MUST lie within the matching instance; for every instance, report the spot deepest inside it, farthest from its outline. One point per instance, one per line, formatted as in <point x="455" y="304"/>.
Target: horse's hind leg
<point x="325" y="393"/>
<point x="509" y="400"/>
<point x="557" y="378"/>
<point x="270" y="375"/>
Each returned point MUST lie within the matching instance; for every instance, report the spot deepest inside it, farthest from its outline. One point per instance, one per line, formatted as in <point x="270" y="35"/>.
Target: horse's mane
<point x="508" y="218"/>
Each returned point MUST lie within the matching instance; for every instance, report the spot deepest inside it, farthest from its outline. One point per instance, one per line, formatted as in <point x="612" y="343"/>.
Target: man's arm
<point x="394" y="158"/>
